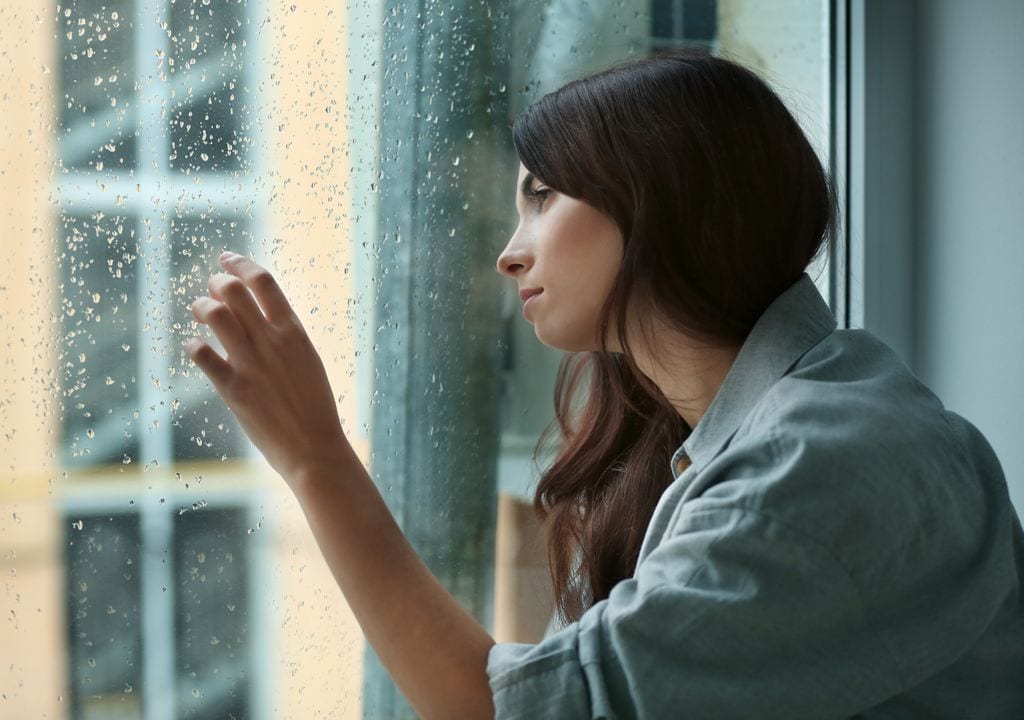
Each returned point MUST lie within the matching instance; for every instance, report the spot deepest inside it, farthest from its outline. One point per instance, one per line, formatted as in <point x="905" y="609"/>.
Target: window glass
<point x="209" y="99"/>
<point x="96" y="98"/>
<point x="211" y="632"/>
<point x="153" y="566"/>
<point x="104" y="632"/>
<point x="203" y="427"/>
<point x="99" y="323"/>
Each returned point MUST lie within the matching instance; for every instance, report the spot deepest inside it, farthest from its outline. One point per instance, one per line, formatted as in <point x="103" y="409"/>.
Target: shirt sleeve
<point x="736" y="614"/>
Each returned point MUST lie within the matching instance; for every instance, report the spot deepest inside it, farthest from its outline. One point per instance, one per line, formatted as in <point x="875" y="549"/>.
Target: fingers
<point x="244" y="302"/>
<point x="224" y="325"/>
<point x="263" y="285"/>
<point x="215" y="367"/>
<point x="232" y="292"/>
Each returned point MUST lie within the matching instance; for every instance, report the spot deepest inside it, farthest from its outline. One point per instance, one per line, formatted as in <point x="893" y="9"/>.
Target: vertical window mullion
<point x="839" y="161"/>
<point x="262" y="691"/>
<point x="152" y="278"/>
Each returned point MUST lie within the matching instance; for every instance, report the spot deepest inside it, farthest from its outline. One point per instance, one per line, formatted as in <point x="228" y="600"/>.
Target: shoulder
<point x="850" y="447"/>
<point x="852" y="394"/>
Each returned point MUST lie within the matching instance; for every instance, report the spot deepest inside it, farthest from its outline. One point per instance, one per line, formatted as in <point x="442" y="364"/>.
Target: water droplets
<point x="198" y="505"/>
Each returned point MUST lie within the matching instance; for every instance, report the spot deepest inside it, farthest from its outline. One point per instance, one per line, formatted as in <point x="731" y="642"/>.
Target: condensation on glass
<point x="361" y="151"/>
<point x="153" y="180"/>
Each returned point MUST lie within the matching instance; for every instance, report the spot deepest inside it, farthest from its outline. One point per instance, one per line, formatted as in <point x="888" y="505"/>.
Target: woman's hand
<point x="272" y="380"/>
<point x="275" y="384"/>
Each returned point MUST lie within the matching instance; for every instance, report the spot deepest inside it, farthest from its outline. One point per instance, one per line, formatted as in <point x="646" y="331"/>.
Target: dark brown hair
<point x="722" y="203"/>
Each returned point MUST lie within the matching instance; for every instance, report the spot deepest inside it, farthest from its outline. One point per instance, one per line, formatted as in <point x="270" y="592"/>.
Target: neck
<point x="688" y="374"/>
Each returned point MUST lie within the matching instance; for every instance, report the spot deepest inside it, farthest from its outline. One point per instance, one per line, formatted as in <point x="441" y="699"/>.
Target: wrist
<point x="338" y="463"/>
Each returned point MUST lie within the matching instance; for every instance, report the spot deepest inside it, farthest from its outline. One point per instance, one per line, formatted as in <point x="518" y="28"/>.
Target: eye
<point x="539" y="194"/>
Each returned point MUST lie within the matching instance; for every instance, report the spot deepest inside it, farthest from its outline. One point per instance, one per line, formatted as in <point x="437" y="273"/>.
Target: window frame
<point x="877" y="274"/>
<point x="143" y="194"/>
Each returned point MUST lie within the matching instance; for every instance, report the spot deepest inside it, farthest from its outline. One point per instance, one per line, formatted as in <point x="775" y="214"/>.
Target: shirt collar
<point x="794" y="323"/>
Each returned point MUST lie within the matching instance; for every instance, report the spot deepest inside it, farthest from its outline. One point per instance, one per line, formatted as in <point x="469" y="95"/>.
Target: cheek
<point x="595" y="263"/>
<point x="589" y="246"/>
<point x="588" y="266"/>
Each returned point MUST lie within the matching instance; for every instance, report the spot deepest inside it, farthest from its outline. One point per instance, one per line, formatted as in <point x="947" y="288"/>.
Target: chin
<point x="565" y="342"/>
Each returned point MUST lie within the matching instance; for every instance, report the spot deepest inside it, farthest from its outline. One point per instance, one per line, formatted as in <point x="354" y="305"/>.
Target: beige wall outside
<point x="31" y="631"/>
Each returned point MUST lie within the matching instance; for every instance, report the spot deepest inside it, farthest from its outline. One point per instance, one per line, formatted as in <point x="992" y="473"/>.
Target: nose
<point x="514" y="259"/>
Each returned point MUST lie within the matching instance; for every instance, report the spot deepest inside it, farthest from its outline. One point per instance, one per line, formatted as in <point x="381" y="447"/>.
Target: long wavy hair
<point x="722" y="204"/>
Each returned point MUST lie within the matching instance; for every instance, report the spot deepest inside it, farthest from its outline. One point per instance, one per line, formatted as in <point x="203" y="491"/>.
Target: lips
<point x="525" y="295"/>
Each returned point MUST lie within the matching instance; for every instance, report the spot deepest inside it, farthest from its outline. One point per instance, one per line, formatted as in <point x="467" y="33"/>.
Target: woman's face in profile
<point x="571" y="252"/>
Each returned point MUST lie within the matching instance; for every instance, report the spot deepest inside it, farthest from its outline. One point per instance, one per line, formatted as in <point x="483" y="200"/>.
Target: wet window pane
<point x="202" y="427"/>
<point x="209" y="101"/>
<point x="361" y="151"/>
<point x="105" y="644"/>
<point x="99" y="323"/>
<point x="96" y="103"/>
<point x="211" y="621"/>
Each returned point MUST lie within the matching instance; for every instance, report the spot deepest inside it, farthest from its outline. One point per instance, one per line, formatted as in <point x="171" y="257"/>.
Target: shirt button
<point x="681" y="464"/>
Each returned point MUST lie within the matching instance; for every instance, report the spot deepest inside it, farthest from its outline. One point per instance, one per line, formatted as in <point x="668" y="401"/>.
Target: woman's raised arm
<point x="275" y="384"/>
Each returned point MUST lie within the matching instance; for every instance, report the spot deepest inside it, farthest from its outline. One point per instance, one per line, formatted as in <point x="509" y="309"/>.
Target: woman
<point x="828" y="541"/>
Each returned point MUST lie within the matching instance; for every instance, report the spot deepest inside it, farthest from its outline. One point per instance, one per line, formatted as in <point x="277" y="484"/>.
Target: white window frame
<point x="145" y="194"/>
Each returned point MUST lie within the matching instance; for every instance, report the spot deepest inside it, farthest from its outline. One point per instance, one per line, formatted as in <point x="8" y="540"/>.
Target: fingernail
<point x="227" y="254"/>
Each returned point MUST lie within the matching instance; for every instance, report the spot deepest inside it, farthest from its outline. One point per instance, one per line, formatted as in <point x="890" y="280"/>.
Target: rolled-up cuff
<point x="557" y="679"/>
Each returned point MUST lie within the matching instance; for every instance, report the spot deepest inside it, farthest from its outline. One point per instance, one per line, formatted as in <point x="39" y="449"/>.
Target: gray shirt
<point x="839" y="545"/>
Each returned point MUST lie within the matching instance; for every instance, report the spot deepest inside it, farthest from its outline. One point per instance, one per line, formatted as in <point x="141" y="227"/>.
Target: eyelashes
<point x="539" y="195"/>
